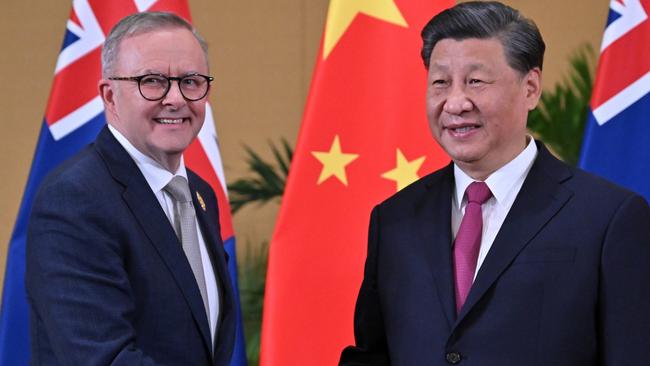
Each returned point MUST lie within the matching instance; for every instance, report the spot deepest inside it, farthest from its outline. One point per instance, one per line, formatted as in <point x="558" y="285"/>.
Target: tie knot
<point x="179" y="189"/>
<point x="478" y="192"/>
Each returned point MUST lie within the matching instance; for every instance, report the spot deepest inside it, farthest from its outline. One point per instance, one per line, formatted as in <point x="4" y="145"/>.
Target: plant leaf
<point x="560" y="117"/>
<point x="267" y="180"/>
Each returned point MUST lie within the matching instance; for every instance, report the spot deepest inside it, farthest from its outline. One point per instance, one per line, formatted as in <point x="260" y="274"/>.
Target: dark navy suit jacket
<point x="566" y="281"/>
<point x="107" y="280"/>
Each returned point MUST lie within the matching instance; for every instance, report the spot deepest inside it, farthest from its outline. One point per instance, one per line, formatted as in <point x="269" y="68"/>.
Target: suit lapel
<point x="433" y="216"/>
<point x="540" y="198"/>
<point x="155" y="224"/>
<point x="208" y="216"/>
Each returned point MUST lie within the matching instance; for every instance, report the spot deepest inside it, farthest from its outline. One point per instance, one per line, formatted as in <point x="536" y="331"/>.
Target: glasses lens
<point x="153" y="87"/>
<point x="194" y="87"/>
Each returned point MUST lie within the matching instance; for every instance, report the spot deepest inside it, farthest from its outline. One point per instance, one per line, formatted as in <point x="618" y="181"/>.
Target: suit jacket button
<point x="453" y="358"/>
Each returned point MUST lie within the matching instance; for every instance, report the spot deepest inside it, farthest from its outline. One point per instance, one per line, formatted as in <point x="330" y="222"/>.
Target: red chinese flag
<point x="364" y="136"/>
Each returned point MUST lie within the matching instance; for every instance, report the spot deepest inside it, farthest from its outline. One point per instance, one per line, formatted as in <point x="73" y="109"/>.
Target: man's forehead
<point x="156" y="42"/>
<point x="470" y="42"/>
<point x="471" y="53"/>
<point x="149" y="34"/>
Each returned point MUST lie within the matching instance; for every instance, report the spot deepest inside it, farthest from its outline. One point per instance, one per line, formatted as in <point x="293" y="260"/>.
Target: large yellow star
<point x="334" y="162"/>
<point x="406" y="172"/>
<point x="342" y="12"/>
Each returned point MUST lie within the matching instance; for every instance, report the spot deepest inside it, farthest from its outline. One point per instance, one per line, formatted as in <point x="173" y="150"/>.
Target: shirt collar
<point x="503" y="179"/>
<point x="156" y="176"/>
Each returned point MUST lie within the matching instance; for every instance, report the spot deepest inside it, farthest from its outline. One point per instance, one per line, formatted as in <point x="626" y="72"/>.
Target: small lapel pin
<point x="200" y="199"/>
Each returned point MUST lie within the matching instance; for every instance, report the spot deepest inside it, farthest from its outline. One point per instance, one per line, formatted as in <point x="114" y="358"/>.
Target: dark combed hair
<point x="521" y="40"/>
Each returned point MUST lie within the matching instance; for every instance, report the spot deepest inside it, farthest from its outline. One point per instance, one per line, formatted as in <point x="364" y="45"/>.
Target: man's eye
<point x="190" y="81"/>
<point x="475" y="81"/>
<point x="439" y="82"/>
<point x="153" y="81"/>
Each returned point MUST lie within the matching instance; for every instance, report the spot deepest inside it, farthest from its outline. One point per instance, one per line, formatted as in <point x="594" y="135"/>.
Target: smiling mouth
<point x="169" y="121"/>
<point x="463" y="129"/>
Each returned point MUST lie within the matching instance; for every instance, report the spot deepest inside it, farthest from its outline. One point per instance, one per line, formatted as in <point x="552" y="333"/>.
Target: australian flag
<point x="73" y="118"/>
<point x="617" y="137"/>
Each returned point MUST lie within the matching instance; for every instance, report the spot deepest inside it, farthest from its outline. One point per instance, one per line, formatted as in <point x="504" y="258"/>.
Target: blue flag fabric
<point x="73" y="118"/>
<point x="616" y="143"/>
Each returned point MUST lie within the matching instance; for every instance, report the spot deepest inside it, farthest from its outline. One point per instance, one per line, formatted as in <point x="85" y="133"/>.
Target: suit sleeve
<point x="624" y="309"/>
<point x="370" y="337"/>
<point x="81" y="302"/>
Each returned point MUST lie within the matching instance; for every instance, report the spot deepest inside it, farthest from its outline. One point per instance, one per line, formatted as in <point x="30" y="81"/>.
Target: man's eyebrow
<point x="158" y="72"/>
<point x="476" y="66"/>
<point x="469" y="67"/>
<point x="151" y="71"/>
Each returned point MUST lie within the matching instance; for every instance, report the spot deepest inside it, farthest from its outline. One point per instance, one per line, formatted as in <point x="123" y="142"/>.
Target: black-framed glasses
<point x="154" y="87"/>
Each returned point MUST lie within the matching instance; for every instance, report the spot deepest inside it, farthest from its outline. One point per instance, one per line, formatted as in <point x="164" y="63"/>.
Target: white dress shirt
<point x="504" y="184"/>
<point x="158" y="177"/>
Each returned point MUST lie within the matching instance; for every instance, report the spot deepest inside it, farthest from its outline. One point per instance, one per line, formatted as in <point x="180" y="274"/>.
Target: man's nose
<point x="457" y="101"/>
<point x="174" y="95"/>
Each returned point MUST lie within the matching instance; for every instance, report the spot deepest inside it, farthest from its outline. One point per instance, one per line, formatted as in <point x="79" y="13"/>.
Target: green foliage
<point x="252" y="279"/>
<point x="267" y="181"/>
<point x="560" y="117"/>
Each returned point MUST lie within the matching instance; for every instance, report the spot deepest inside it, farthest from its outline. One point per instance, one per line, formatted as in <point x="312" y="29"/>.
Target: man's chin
<point x="464" y="154"/>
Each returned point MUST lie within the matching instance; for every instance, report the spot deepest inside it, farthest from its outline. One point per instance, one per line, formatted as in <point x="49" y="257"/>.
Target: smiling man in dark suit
<point x="125" y="264"/>
<point x="507" y="256"/>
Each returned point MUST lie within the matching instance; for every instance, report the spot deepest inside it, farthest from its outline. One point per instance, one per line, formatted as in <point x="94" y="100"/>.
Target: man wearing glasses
<point x="125" y="264"/>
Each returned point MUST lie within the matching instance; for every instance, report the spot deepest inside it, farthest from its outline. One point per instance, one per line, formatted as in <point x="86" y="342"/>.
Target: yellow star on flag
<point x="341" y="13"/>
<point x="406" y="172"/>
<point x="334" y="162"/>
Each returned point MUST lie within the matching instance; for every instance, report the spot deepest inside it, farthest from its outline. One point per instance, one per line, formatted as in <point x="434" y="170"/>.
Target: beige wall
<point x="262" y="54"/>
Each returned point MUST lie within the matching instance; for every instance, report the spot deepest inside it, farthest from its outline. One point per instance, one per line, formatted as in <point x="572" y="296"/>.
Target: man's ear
<point x="107" y="93"/>
<point x="533" y="87"/>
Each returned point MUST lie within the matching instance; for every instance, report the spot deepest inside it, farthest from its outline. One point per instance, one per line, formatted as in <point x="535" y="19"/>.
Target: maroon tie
<point x="468" y="240"/>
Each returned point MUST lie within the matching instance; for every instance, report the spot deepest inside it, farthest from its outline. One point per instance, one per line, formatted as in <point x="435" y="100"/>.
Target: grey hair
<point x="519" y="36"/>
<point x="140" y="23"/>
